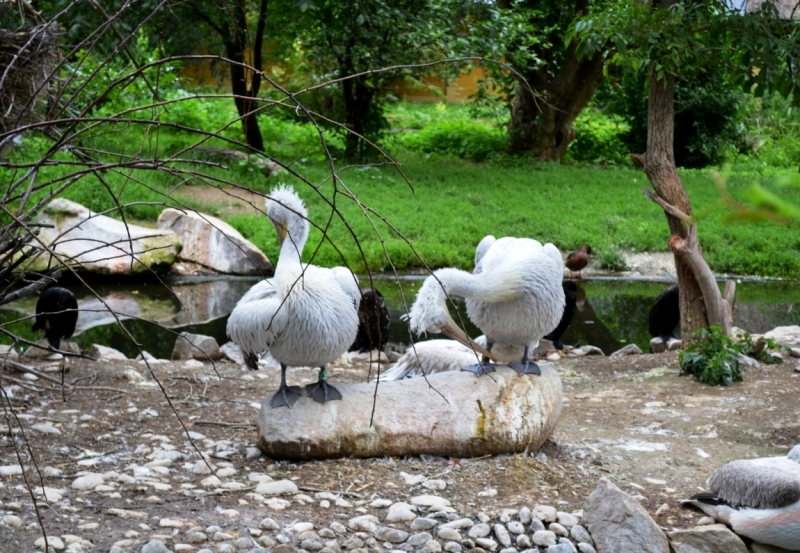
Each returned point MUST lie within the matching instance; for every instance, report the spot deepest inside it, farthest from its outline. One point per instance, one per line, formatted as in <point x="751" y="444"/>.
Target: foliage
<point x="611" y="258"/>
<point x="464" y="139"/>
<point x="599" y="138"/>
<point x="772" y="131"/>
<point x="709" y="114"/>
<point x="712" y="357"/>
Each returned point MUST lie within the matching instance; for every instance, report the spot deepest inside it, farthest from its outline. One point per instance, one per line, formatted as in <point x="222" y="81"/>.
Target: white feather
<point x="514" y="295"/>
<point x="305" y="315"/>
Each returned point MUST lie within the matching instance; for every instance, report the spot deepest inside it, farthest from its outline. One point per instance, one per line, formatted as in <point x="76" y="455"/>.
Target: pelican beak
<point x="452" y="330"/>
<point x="283" y="231"/>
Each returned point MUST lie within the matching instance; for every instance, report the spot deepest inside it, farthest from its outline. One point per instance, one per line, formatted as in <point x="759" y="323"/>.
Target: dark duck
<point x="373" y="322"/>
<point x="56" y="314"/>
<point x="665" y="314"/>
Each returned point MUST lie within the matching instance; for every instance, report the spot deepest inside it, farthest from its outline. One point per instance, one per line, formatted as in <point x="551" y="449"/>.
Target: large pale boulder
<point x="202" y="302"/>
<point x="714" y="538"/>
<point x="788" y="336"/>
<point x="617" y="522"/>
<point x="451" y="414"/>
<point x="99" y="244"/>
<point x="214" y="244"/>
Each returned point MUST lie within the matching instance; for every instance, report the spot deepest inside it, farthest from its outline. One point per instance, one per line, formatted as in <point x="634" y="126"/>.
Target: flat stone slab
<point x="452" y="414"/>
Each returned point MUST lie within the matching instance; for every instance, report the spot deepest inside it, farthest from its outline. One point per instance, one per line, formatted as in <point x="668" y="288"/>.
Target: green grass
<point x="454" y="203"/>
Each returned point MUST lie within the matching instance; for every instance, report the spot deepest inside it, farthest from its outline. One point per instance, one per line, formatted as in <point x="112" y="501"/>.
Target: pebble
<point x="364" y="523"/>
<point x="279" y="487"/>
<point x="488" y="493"/>
<point x="586" y="548"/>
<point x="544" y="538"/>
<point x="422" y="524"/>
<point x="433" y="546"/>
<point x="536" y="525"/>
<point x="452" y="547"/>
<point x="480" y="530"/>
<point x="412" y="479"/>
<point x="155" y="546"/>
<point x="300" y="527"/>
<point x="338" y="527"/>
<point x="449" y="534"/>
<point x="436" y="485"/>
<point x="487" y="544"/>
<point x="525" y="515"/>
<point x="415" y="540"/>
<point x="380" y="503"/>
<point x="430" y="501"/>
<point x="566" y="519"/>
<point x="459" y="523"/>
<point x="391" y="535"/>
<point x="515" y="527"/>
<point x="52" y="541"/>
<point x="501" y="534"/>
<point x="544" y="513"/>
<point x="566" y="547"/>
<point x="523" y="541"/>
<point x="12" y="520"/>
<point x="45" y="428"/>
<point x="268" y="524"/>
<point x="193" y="536"/>
<point x="558" y="530"/>
<point x="10" y="470"/>
<point x="581" y="535"/>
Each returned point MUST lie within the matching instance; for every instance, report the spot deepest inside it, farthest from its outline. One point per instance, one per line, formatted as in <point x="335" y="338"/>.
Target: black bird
<point x="373" y="322"/>
<point x="571" y="296"/>
<point x="56" y="314"/>
<point x="665" y="314"/>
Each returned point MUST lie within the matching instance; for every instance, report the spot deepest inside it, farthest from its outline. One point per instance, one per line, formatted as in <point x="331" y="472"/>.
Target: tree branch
<point x="686" y="220"/>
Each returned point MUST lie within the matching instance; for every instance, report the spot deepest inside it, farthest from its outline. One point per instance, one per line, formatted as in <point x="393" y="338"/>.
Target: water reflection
<point x="610" y="314"/>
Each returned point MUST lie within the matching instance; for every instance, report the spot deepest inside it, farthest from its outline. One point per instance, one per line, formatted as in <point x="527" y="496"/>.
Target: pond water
<point x="612" y="313"/>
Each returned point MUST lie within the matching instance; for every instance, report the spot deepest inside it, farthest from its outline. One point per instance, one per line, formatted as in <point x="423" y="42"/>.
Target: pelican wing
<point x="430" y="357"/>
<point x="348" y="282"/>
<point x="760" y="485"/>
<point x="480" y="251"/>
<point x="257" y="319"/>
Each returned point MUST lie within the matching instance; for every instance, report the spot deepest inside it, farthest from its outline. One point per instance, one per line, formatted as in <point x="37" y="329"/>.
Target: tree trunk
<point x="543" y="127"/>
<point x="357" y="104"/>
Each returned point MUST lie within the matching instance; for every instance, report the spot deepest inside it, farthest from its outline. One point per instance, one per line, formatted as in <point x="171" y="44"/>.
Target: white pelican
<point x="757" y="498"/>
<point x="435" y="356"/>
<point x="305" y="315"/>
<point x="514" y="296"/>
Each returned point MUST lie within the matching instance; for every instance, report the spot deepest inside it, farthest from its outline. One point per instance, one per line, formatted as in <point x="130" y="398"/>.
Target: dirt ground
<point x="654" y="433"/>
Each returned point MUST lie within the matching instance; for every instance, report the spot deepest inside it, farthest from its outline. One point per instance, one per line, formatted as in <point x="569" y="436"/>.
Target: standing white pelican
<point x="305" y="315"/>
<point x="514" y="296"/>
<point x="757" y="498"/>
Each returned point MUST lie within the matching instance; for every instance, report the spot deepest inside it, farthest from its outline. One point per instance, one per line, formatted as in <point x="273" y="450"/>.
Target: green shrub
<point x="714" y="357"/>
<point x="611" y="258"/>
<point x="598" y="138"/>
<point x="465" y="139"/>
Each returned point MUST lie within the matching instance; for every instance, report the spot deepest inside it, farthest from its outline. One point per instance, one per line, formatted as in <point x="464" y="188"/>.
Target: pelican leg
<point x="287" y="395"/>
<point x="322" y="392"/>
<point x="485" y="366"/>
<point x="526" y="366"/>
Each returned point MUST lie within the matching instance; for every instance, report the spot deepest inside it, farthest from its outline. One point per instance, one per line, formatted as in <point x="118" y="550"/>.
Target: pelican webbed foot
<point x="287" y="396"/>
<point x="525" y="367"/>
<point x="480" y="368"/>
<point x="321" y="391"/>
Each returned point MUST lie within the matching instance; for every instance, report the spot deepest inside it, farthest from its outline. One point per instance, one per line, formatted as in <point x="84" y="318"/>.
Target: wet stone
<point x="453" y="547"/>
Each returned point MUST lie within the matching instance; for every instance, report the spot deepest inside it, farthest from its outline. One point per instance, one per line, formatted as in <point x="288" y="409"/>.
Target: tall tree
<point x="229" y="20"/>
<point x="564" y="77"/>
<point x="663" y="37"/>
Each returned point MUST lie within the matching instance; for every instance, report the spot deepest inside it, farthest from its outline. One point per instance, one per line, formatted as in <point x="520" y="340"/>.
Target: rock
<point x="589" y="350"/>
<point x="12" y="521"/>
<point x="10" y="470"/>
<point x="706" y="539"/>
<point x="617" y="522"/>
<point x="480" y="530"/>
<point x="392" y="535"/>
<point x="657" y="345"/>
<point x="502" y="536"/>
<point x="231" y="352"/>
<point x="87" y="482"/>
<point x="364" y="523"/>
<point x="674" y="344"/>
<point x="788" y="336"/>
<point x="435" y="485"/>
<point x="580" y="534"/>
<point x="487" y="544"/>
<point x="430" y="501"/>
<point x="195" y="346"/>
<point x="761" y="548"/>
<point x="566" y="519"/>
<point x="448" y="534"/>
<point x="544" y="513"/>
<point x="104" y="352"/>
<point x="52" y="541"/>
<point x="630" y="349"/>
<point x="515" y="527"/>
<point x="521" y="417"/>
<point x="7" y="352"/>
<point x="278" y="487"/>
<point x="586" y="548"/>
<point x="422" y="524"/>
<point x="401" y="512"/>
<point x="564" y="547"/>
<point x="80" y="235"/>
<point x="459" y="523"/>
<point x="214" y="244"/>
<point x="155" y="546"/>
<point x="543" y="538"/>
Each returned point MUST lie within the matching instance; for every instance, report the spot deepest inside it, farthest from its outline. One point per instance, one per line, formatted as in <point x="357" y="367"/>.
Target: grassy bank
<point x="454" y="202"/>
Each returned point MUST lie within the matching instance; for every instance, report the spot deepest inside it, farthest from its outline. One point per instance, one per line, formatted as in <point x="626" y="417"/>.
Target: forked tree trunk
<point x="701" y="303"/>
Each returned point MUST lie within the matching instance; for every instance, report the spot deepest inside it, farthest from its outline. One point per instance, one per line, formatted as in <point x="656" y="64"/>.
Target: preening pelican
<point x="373" y="322"/>
<point x="757" y="498"/>
<point x="578" y="260"/>
<point x="305" y="315"/>
<point x="435" y="356"/>
<point x="665" y="314"/>
<point x="514" y="296"/>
